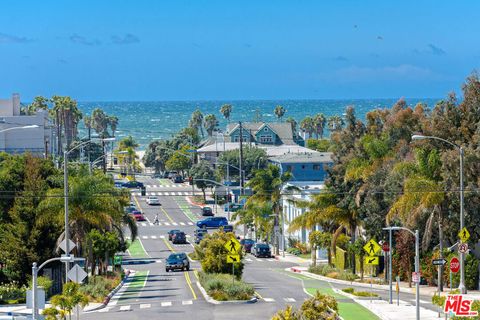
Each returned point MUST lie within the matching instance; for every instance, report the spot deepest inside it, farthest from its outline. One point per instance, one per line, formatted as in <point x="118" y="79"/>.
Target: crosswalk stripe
<point x="248" y="259"/>
<point x="144" y="224"/>
<point x="289" y="299"/>
<point x="268" y="299"/>
<point x="166" y="304"/>
<point x="258" y="260"/>
<point x="125" y="308"/>
<point x="190" y="223"/>
<point x="144" y="237"/>
<point x="179" y="193"/>
<point x="174" y="224"/>
<point x="271" y="260"/>
<point x="162" y="236"/>
<point x="153" y="237"/>
<point x="151" y="224"/>
<point x="186" y="302"/>
<point x="167" y="223"/>
<point x="182" y="223"/>
<point x="145" y="306"/>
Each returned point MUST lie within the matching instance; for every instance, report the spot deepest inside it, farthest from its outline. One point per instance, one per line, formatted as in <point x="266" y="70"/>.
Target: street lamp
<point x="65" y="193"/>
<point x="228" y="179"/>
<point x="33" y="126"/>
<point x="417" y="265"/>
<point x="460" y="150"/>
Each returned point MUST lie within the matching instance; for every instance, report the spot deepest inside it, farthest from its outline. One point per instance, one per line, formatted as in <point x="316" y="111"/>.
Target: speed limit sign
<point x="463" y="248"/>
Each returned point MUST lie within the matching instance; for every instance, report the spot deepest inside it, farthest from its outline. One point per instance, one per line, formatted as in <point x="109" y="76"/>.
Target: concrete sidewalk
<point x="404" y="311"/>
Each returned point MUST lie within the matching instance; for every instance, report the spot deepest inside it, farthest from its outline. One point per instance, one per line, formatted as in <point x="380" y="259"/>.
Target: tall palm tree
<point x="308" y="125"/>
<point x="68" y="115"/>
<point x="100" y="122"/>
<point x="335" y="123"/>
<point x="210" y="122"/>
<point x="319" y="121"/>
<point x="279" y="112"/>
<point x="196" y="121"/>
<point x="267" y="185"/>
<point x="39" y="103"/>
<point x="226" y="111"/>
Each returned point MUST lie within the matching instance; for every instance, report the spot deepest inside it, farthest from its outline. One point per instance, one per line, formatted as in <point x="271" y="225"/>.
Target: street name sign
<point x="233" y="246"/>
<point x="372" y="261"/>
<point x="372" y="247"/>
<point x="439" y="262"/>
<point x="231" y="258"/>
<point x="464" y="235"/>
<point x="77" y="274"/>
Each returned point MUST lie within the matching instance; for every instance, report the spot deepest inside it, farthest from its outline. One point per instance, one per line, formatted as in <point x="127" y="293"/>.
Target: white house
<point x="37" y="140"/>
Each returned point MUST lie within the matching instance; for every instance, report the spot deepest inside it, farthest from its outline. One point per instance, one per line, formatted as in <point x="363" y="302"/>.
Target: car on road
<point x="178" y="179"/>
<point x="233" y="207"/>
<point x="261" y="250"/>
<point x="247" y="244"/>
<point x="156" y="176"/>
<point x="118" y="184"/>
<point x="171" y="174"/>
<point x="207" y="211"/>
<point x="130" y="209"/>
<point x="177" y="261"/>
<point x="138" y="215"/>
<point x="228" y="228"/>
<point x="199" y="234"/>
<point x="171" y="233"/>
<point x="132" y="184"/>
<point x="153" y="201"/>
<point x="179" y="238"/>
<point x="212" y="222"/>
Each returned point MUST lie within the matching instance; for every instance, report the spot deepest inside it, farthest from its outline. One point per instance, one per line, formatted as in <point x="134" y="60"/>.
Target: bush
<point x="331" y="272"/>
<point x="348" y="290"/>
<point x="294" y="251"/>
<point x="364" y="294"/>
<point x="317" y="307"/>
<point x="12" y="291"/>
<point x="98" y="287"/>
<point x="221" y="287"/>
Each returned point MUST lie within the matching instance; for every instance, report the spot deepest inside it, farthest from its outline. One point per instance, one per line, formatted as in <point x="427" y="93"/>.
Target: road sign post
<point x="454" y="265"/>
<point x="233" y="247"/>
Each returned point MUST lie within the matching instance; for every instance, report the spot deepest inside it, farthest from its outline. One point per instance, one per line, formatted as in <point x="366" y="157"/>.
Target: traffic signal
<point x="190" y="180"/>
<point x="144" y="191"/>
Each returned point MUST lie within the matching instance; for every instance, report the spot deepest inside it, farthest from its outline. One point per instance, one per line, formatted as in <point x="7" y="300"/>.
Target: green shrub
<point x="294" y="251"/>
<point x="364" y="294"/>
<point x="331" y="272"/>
<point x="221" y="287"/>
<point x="348" y="290"/>
<point x="98" y="287"/>
<point x="12" y="291"/>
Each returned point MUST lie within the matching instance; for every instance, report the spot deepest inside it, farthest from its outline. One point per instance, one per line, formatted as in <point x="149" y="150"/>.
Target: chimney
<point x="16" y="104"/>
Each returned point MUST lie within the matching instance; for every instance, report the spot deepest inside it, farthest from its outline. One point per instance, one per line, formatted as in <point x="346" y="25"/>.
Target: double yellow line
<point x="166" y="214"/>
<point x="186" y="274"/>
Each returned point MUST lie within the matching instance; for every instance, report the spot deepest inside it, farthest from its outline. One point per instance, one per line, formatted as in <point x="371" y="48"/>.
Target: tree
<point x="226" y="111"/>
<point x="307" y="125"/>
<point x="279" y="112"/>
<point x="322" y="145"/>
<point x="63" y="304"/>
<point x="293" y="123"/>
<point x="319" y="122"/>
<point x="335" y="123"/>
<point x="180" y="160"/>
<point x="196" y="121"/>
<point x="200" y="172"/>
<point x="253" y="159"/>
<point x="210" y="123"/>
<point x="102" y="246"/>
<point x="67" y="116"/>
<point x="257" y="215"/>
<point x="39" y="103"/>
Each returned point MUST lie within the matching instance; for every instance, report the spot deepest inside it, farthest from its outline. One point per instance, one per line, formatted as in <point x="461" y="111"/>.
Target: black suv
<point x="179" y="237"/>
<point x="207" y="211"/>
<point x="177" y="261"/>
<point x="199" y="234"/>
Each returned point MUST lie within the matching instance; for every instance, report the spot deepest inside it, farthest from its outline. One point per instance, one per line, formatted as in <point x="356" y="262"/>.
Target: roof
<point x="319" y="157"/>
<point x="272" y="151"/>
<point x="282" y="129"/>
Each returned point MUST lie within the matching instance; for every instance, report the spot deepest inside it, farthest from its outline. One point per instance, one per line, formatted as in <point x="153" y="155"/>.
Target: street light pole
<point x="461" y="286"/>
<point x="390" y="253"/>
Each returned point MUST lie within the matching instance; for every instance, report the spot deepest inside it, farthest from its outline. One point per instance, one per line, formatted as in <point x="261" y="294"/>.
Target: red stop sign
<point x="454" y="265"/>
<point x="385" y="247"/>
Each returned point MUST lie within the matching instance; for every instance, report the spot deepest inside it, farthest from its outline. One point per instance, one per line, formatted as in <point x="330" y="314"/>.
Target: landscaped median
<point x="224" y="287"/>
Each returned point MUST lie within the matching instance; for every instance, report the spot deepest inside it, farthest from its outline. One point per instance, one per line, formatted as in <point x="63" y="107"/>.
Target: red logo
<point x="459" y="306"/>
<point x="454" y="265"/>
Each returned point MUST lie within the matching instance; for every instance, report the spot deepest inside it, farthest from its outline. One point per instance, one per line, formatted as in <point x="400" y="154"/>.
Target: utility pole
<point x="241" y="157"/>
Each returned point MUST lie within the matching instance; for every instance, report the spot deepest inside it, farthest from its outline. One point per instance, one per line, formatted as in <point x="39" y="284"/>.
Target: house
<point x="263" y="133"/>
<point x="36" y="140"/>
<point x="310" y="166"/>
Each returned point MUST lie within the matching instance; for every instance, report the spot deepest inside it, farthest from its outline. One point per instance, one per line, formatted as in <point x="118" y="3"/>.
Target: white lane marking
<point x="182" y="223"/>
<point x="104" y="309"/>
<point x="145" y="306"/>
<point x="158" y="261"/>
<point x="271" y="260"/>
<point x="258" y="260"/>
<point x="268" y="299"/>
<point x="186" y="302"/>
<point x="289" y="299"/>
<point x="153" y="237"/>
<point x="166" y="304"/>
<point x="125" y="308"/>
<point x="248" y="259"/>
<point x="174" y="223"/>
<point x="179" y="193"/>
<point x="144" y="237"/>
<point x="190" y="223"/>
<point x="143" y="224"/>
<point x="167" y="223"/>
<point x="151" y="224"/>
<point x="162" y="236"/>
<point x="188" y="236"/>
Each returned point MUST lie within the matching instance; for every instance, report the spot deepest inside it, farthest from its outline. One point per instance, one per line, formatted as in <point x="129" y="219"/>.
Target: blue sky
<point x="189" y="50"/>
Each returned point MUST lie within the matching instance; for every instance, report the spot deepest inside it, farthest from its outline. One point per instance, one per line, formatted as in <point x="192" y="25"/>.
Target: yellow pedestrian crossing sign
<point x="233" y="246"/>
<point x="464" y="235"/>
<point x="372" y="261"/>
<point x="372" y="247"/>
<point x="231" y="258"/>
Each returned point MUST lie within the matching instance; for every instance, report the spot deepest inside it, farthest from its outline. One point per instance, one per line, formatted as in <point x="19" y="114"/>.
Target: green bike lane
<point x="348" y="308"/>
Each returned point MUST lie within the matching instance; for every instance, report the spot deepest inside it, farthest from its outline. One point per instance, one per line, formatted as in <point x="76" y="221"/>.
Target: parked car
<point x="138" y="215"/>
<point x="171" y="174"/>
<point x="212" y="222"/>
<point x="233" y="207"/>
<point x="247" y="244"/>
<point x="171" y="233"/>
<point x="228" y="228"/>
<point x="130" y="209"/>
<point x="199" y="234"/>
<point x="165" y="174"/>
<point x="207" y="211"/>
<point x="132" y="184"/>
<point x="153" y="201"/>
<point x="177" y="261"/>
<point x="179" y="237"/>
<point x="156" y="175"/>
<point x="118" y="184"/>
<point x="178" y="179"/>
<point x="260" y="250"/>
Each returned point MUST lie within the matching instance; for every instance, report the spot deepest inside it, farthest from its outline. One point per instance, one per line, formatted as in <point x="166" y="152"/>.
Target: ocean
<point x="147" y="121"/>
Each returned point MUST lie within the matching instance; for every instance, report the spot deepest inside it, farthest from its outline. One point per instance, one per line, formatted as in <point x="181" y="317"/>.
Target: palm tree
<point x="196" y="121"/>
<point x="335" y="123"/>
<point x="256" y="215"/>
<point x="293" y="123"/>
<point x="319" y="121"/>
<point x="67" y="113"/>
<point x="100" y="122"/>
<point x="39" y="103"/>
<point x="279" y="112"/>
<point x="267" y="185"/>
<point x="226" y="110"/>
<point x="307" y="125"/>
<point x="210" y="122"/>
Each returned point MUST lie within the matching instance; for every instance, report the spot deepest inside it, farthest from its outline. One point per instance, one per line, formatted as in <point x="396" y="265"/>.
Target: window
<point x="266" y="138"/>
<point x="265" y="129"/>
<point x="316" y="167"/>
<point x="303" y="166"/>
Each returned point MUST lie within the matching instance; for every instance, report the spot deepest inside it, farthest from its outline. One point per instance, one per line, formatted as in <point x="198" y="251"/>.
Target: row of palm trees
<point x="316" y="125"/>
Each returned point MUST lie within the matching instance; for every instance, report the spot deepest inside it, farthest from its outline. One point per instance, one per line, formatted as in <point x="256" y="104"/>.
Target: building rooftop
<point x="307" y="157"/>
<point x="282" y="129"/>
<point x="272" y="151"/>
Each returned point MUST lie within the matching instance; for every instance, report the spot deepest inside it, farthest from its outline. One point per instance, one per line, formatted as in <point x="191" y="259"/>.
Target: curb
<point x="213" y="301"/>
<point x="111" y="294"/>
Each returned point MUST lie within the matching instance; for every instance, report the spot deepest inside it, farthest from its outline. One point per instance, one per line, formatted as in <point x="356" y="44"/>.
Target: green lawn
<point x="136" y="250"/>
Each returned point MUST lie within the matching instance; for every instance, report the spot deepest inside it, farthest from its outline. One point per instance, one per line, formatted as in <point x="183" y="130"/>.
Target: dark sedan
<point x="132" y="184"/>
<point x="247" y="244"/>
<point x="261" y="250"/>
<point x="177" y="261"/>
<point x="171" y="233"/>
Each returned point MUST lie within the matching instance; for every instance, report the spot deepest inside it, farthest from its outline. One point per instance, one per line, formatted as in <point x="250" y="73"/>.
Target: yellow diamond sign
<point x="464" y="235"/>
<point x="372" y="247"/>
<point x="233" y="246"/>
<point x="372" y="261"/>
<point x="231" y="258"/>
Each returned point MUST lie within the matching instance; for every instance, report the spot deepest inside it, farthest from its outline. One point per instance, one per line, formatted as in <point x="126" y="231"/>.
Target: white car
<point x="153" y="201"/>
